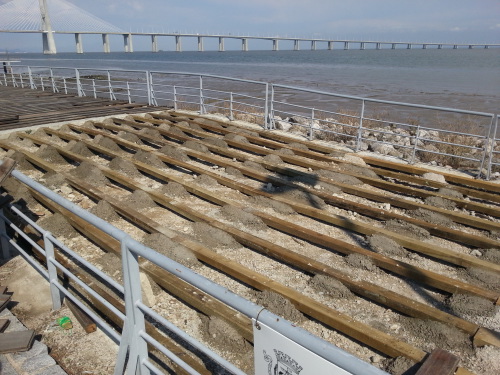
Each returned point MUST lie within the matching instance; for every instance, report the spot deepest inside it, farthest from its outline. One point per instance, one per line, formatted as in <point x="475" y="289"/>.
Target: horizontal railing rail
<point x="412" y="132"/>
<point x="133" y="340"/>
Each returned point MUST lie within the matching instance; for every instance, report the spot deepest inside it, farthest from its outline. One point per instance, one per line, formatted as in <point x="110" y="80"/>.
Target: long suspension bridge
<point x="50" y="17"/>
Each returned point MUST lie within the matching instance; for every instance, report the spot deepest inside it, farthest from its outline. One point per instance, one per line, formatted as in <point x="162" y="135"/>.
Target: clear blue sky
<point x="398" y="20"/>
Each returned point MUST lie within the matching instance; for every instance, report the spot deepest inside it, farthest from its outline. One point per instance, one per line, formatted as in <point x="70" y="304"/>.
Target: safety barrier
<point x="133" y="341"/>
<point x="412" y="132"/>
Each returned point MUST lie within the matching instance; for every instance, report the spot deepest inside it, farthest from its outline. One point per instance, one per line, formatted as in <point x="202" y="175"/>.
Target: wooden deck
<point x="21" y="108"/>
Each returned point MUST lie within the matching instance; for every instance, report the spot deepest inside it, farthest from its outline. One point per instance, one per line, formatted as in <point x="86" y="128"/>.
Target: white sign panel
<point x="275" y="354"/>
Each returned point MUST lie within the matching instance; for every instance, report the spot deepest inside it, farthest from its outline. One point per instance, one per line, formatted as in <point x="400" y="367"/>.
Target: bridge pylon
<point x="49" y="44"/>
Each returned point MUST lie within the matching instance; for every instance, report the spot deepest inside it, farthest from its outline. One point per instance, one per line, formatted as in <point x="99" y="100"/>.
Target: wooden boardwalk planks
<point x="22" y="107"/>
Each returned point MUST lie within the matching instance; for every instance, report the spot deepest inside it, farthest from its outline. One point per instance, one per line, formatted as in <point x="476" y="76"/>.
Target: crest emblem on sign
<point x="285" y="365"/>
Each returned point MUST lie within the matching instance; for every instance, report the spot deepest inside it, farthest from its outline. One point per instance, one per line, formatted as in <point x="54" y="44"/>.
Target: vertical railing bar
<point x="52" y="270"/>
<point x="128" y="94"/>
<point x="94" y="88"/>
<point x="3" y="237"/>
<point x="311" y="125"/>
<point x="359" y="138"/>
<point x="231" y="106"/>
<point x="202" y="105"/>
<point x="414" y="150"/>
<point x="267" y="122"/>
<point x="491" y="144"/>
<point x="52" y="80"/>
<point x="175" y="98"/>
<point x="30" y="76"/>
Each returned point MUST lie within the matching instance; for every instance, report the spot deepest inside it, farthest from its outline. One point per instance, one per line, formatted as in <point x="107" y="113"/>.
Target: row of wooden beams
<point x="357" y="226"/>
<point x="401" y="268"/>
<point x="341" y="202"/>
<point x="395" y="201"/>
<point x="390" y="165"/>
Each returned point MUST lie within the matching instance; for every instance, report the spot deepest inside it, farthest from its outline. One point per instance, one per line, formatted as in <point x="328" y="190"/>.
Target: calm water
<point x="465" y="79"/>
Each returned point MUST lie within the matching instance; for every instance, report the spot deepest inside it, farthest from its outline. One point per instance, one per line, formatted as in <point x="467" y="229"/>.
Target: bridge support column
<point x="313" y="45"/>
<point x="200" y="44"/>
<point x="346" y="45"/>
<point x="377" y="45"/>
<point x="362" y="45"/>
<point x="154" y="43"/>
<point x="178" y="43"/>
<point x="330" y="45"/>
<point x="455" y="46"/>
<point x="78" y="42"/>
<point x="440" y="46"/>
<point x="486" y="47"/>
<point x="105" y="43"/>
<point x="275" y="45"/>
<point x="296" y="45"/>
<point x="424" y="46"/>
<point x="127" y="43"/>
<point x="244" y="45"/>
<point x="49" y="44"/>
<point x="471" y="46"/>
<point x="393" y="46"/>
<point x="221" y="44"/>
<point x="409" y="46"/>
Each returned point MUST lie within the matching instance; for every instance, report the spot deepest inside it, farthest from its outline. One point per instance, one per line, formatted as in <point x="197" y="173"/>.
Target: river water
<point x="464" y="79"/>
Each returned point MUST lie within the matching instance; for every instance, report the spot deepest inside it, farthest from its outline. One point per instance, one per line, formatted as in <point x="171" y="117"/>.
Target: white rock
<point x="476" y="253"/>
<point x="282" y="125"/>
<point x="434" y="177"/>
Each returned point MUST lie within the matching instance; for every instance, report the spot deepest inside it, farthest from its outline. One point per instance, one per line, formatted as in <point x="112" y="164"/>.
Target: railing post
<point x="311" y="127"/>
<point x="110" y="88"/>
<point x="148" y="87"/>
<point x="14" y="83"/>
<point x="134" y="323"/>
<point x="65" y="86"/>
<point x="79" y="88"/>
<point x="231" y="106"/>
<point x="22" y="80"/>
<point x="30" y="75"/>
<point x="360" y="129"/>
<point x="151" y="84"/>
<point x="41" y="83"/>
<point x="52" y="270"/>
<point x="128" y="93"/>
<point x="5" y="79"/>
<point x="4" y="242"/>
<point x="54" y="89"/>
<point x="270" y="121"/>
<point x="267" y="120"/>
<point x="414" y="151"/>
<point x="175" y="98"/>
<point x="94" y="89"/>
<point x="491" y="143"/>
<point x="202" y="105"/>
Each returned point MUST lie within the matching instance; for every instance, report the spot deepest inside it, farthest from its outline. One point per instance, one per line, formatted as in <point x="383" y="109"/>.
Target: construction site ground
<point x="386" y="260"/>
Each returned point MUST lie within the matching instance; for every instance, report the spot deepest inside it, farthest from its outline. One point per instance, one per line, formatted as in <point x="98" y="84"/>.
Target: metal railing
<point x="412" y="132"/>
<point x="133" y="340"/>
